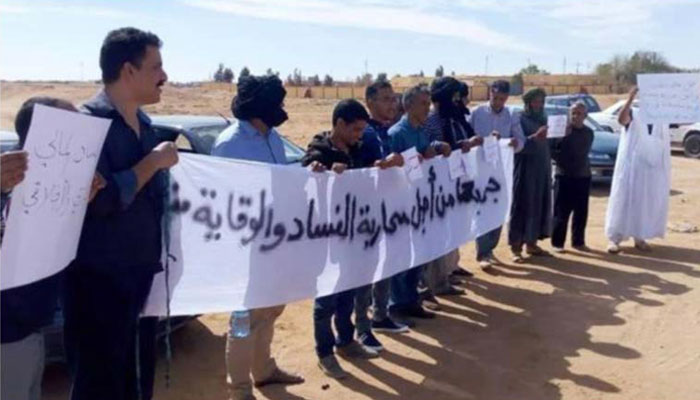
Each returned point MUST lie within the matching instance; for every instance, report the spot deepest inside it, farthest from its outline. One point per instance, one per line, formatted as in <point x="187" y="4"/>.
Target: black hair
<point x="349" y="110"/>
<point x="372" y="90"/>
<point x="500" y="86"/>
<point x="121" y="46"/>
<point x="24" y="116"/>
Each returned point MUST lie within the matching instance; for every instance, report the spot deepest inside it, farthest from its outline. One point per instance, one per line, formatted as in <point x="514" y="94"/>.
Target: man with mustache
<point x="107" y="346"/>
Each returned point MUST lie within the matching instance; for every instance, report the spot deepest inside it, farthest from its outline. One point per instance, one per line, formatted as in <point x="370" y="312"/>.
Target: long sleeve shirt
<point x="570" y="153"/>
<point x="485" y="120"/>
<point x="242" y="141"/>
<point x="123" y="227"/>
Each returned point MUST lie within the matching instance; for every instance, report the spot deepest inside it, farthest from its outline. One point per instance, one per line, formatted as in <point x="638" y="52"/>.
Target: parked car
<point x="8" y="141"/>
<point x="608" y="117"/>
<point x="567" y="100"/>
<point x="603" y="151"/>
<point x="684" y="137"/>
<point x="197" y="134"/>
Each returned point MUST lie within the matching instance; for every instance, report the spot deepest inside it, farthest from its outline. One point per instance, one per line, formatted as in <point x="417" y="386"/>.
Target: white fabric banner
<point x="47" y="209"/>
<point x="248" y="235"/>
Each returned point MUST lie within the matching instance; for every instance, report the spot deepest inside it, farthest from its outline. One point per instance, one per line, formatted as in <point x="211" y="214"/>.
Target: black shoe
<point x="451" y="291"/>
<point x="368" y="341"/>
<point x="462" y="272"/>
<point x="417" y="311"/>
<point x="388" y="325"/>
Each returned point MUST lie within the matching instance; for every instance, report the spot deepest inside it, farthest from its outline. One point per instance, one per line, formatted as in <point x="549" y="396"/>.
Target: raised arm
<point x="625" y="116"/>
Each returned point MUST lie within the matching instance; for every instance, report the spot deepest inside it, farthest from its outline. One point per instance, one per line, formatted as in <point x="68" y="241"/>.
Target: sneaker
<point x="388" y="325"/>
<point x="402" y="319"/>
<point x="582" y="248"/>
<point x="485" y="264"/>
<point x="329" y="365"/>
<point x="558" y="250"/>
<point x="282" y="377"/>
<point x="356" y="350"/>
<point x="613" y="248"/>
<point x="455" y="280"/>
<point x="368" y="341"/>
<point x="451" y="291"/>
<point x="462" y="272"/>
<point x="417" y="311"/>
<point x="641" y="245"/>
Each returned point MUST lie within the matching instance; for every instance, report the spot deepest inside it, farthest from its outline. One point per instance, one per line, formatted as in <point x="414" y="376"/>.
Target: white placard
<point x="669" y="98"/>
<point x="47" y="209"/>
<point x="490" y="149"/>
<point x="412" y="164"/>
<point x="556" y="126"/>
<point x="456" y="165"/>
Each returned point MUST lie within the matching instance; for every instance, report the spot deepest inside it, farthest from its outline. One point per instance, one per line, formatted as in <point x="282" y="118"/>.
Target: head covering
<point x="443" y="89"/>
<point x="442" y="92"/>
<point x="260" y="97"/>
<point x="528" y="97"/>
<point x="500" y="86"/>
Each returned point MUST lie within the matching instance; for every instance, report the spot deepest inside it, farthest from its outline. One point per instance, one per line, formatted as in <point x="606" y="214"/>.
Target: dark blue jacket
<point x="122" y="228"/>
<point x="376" y="143"/>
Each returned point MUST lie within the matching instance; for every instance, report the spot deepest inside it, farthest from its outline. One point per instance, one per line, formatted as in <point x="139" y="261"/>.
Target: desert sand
<point x="577" y="326"/>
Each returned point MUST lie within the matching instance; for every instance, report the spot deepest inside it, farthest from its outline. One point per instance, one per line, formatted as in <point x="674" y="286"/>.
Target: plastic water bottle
<point x="240" y="324"/>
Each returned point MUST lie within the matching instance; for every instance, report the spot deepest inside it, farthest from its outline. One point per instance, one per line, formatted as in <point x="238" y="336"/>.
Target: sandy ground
<point x="577" y="326"/>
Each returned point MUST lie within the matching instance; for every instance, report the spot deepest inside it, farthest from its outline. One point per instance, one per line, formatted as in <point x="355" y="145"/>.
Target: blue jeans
<point x="339" y="305"/>
<point x="486" y="243"/>
<point x="364" y="297"/>
<point x="404" y="288"/>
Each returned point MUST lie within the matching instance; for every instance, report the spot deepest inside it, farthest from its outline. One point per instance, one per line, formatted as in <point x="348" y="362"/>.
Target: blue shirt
<point x="122" y="227"/>
<point x="376" y="143"/>
<point x="242" y="141"/>
<point x="485" y="120"/>
<point x="404" y="136"/>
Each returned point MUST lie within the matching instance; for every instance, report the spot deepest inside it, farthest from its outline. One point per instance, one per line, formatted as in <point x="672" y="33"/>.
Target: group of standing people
<point x="111" y="350"/>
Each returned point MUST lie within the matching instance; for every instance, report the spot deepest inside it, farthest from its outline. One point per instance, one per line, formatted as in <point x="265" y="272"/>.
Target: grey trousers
<point x="376" y="295"/>
<point x="22" y="368"/>
<point x="437" y="274"/>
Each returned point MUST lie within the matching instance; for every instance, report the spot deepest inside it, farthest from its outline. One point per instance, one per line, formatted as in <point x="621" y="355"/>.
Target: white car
<point x="685" y="137"/>
<point x="608" y="117"/>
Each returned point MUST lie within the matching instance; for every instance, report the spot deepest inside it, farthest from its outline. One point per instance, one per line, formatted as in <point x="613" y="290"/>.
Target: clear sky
<point x="44" y="39"/>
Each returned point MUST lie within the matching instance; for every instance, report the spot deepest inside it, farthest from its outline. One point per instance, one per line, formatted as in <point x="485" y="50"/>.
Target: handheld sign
<point x="412" y="164"/>
<point x="456" y="165"/>
<point x="490" y="148"/>
<point x="48" y="207"/>
<point x="669" y="98"/>
<point x="556" y="126"/>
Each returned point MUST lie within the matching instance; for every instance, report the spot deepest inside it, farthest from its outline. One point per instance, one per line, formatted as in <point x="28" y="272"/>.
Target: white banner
<point x="47" y="209"/>
<point x="248" y="235"/>
<point x="669" y="98"/>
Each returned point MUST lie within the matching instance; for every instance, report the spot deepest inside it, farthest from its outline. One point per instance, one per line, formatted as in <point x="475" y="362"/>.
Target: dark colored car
<point x="603" y="151"/>
<point x="567" y="100"/>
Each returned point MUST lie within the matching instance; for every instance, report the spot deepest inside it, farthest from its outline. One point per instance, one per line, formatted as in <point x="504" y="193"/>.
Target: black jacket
<point x="321" y="149"/>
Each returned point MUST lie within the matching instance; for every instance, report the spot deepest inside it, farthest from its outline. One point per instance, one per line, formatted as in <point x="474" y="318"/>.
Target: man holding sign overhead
<point x="638" y="205"/>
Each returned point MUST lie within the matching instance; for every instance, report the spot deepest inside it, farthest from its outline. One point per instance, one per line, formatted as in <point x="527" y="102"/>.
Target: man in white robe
<point x="638" y="205"/>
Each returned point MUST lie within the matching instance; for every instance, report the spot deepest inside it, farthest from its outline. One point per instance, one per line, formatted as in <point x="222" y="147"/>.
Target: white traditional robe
<point x="638" y="204"/>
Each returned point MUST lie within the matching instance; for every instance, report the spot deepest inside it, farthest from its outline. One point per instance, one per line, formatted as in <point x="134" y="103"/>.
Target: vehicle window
<point x="292" y="153"/>
<point x="207" y="135"/>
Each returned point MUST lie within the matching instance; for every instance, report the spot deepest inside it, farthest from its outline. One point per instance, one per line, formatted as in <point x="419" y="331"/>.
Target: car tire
<point x="691" y="145"/>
